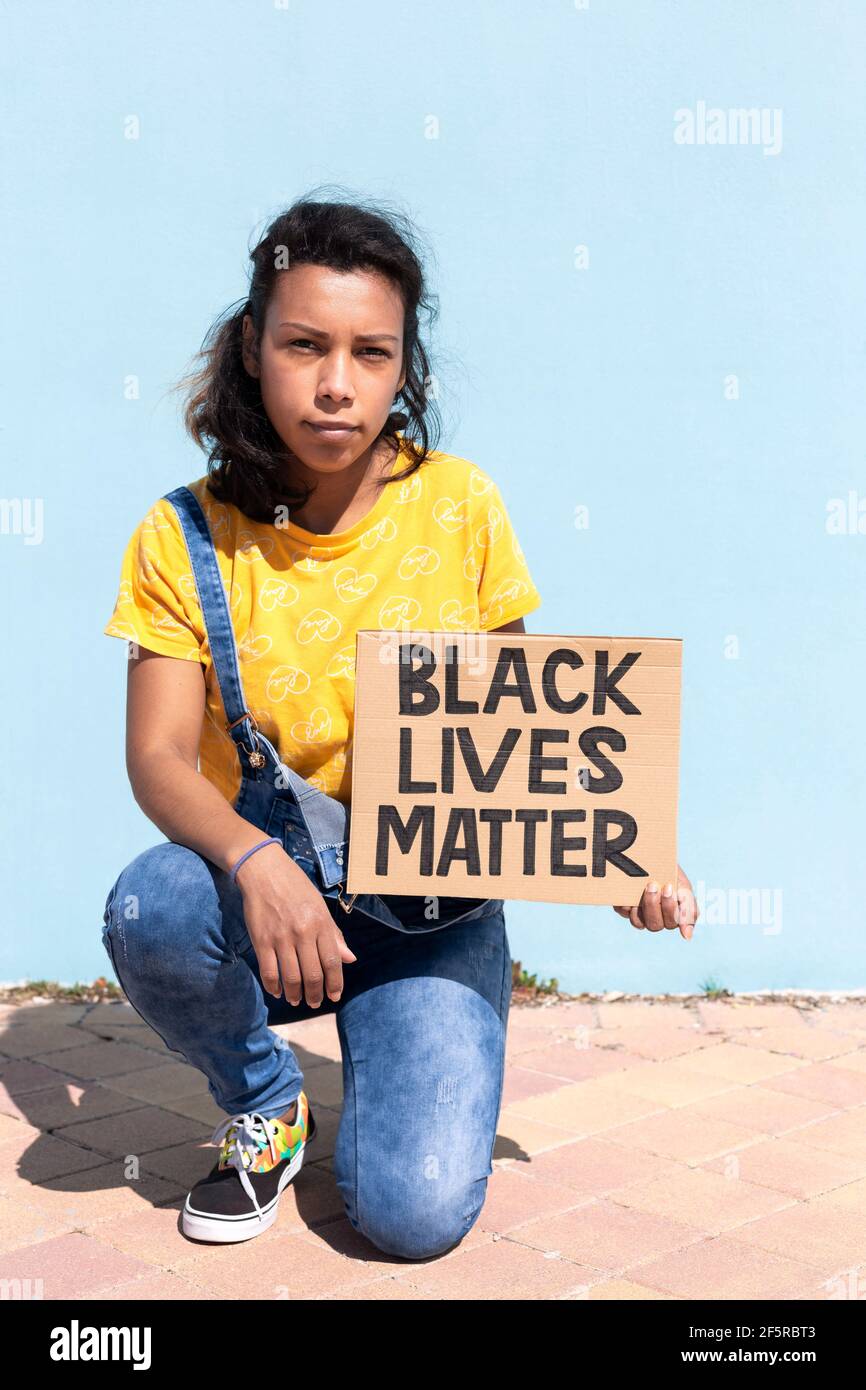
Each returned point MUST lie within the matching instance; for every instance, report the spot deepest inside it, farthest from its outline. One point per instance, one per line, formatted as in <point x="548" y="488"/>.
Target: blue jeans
<point x="422" y="1024"/>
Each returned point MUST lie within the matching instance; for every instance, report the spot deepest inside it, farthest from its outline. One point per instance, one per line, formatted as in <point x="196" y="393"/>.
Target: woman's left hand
<point x="655" y="911"/>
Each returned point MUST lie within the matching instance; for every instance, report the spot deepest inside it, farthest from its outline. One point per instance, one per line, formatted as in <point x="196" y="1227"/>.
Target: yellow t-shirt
<point x="436" y="552"/>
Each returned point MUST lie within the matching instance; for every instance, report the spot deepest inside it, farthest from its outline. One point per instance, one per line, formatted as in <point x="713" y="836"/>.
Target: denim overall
<point x="313" y="827"/>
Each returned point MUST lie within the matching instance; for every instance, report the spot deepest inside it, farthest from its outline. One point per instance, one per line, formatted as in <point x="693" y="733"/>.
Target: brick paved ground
<point x="646" y="1150"/>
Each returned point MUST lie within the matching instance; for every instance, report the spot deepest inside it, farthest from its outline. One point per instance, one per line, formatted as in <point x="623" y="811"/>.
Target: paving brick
<point x="312" y="1200"/>
<point x="519" y="1138"/>
<point x="575" y="1014"/>
<point x="657" y="1041"/>
<point x="815" y="1233"/>
<point x="851" y="1196"/>
<point x="730" y="1017"/>
<point x="324" y="1086"/>
<point x="141" y="1035"/>
<point x="71" y="1266"/>
<point x="385" y="1289"/>
<point x="790" y="1167"/>
<point x="852" y="1061"/>
<point x="843" y="1017"/>
<point x="120" y="1012"/>
<point x="763" y="1110"/>
<point x="741" y="1064"/>
<point x="498" y="1270"/>
<point x="595" y="1167"/>
<point x="843" y="1133"/>
<point x="134" y="1131"/>
<point x="682" y="1135"/>
<point x="707" y="1201"/>
<point x="17" y="1078"/>
<point x="830" y="1083"/>
<point x="315" y="1040"/>
<point x="160" y="1288"/>
<point x="182" y="1165"/>
<point x="164" y="1082"/>
<point x="518" y="1042"/>
<point x="23" y="1225"/>
<point x="606" y="1237"/>
<point x="151" y="1233"/>
<point x="287" y="1268"/>
<point x="515" y="1197"/>
<point x="799" y="1040"/>
<point x="52" y="1011"/>
<point x="546" y="1021"/>
<point x="521" y="1084"/>
<point x="623" y="1290"/>
<point x="341" y="1236"/>
<point x="100" y="1193"/>
<point x="327" y="1126"/>
<point x="62" y="1105"/>
<point x="627" y="1013"/>
<point x="579" y="1059"/>
<point x="32" y="1157"/>
<point x="202" y="1108"/>
<point x="14" y="1128"/>
<point x="100" y="1059"/>
<point x="667" y="1083"/>
<point x="724" y="1268"/>
<point x="40" y="1040"/>
<point x="585" y="1108"/>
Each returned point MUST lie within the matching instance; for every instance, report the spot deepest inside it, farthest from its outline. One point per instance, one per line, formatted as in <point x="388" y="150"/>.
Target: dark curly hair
<point x="224" y="411"/>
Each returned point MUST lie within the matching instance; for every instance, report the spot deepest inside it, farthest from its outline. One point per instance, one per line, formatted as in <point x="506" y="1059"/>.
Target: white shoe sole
<point x="204" y="1225"/>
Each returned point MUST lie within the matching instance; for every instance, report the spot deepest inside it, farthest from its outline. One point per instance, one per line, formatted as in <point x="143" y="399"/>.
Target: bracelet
<point x="274" y="840"/>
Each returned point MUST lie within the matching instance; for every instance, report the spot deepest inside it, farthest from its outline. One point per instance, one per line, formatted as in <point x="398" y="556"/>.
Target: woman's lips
<point x="336" y="433"/>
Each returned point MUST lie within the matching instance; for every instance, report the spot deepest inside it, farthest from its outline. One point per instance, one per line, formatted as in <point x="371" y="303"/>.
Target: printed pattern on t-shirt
<point x="436" y="552"/>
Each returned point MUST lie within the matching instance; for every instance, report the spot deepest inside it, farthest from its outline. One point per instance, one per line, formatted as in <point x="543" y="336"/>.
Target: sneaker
<point x="265" y="1154"/>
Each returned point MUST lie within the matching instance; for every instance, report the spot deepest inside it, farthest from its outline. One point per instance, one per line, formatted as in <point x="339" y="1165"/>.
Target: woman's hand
<point x="292" y="931"/>
<point x="656" y="910"/>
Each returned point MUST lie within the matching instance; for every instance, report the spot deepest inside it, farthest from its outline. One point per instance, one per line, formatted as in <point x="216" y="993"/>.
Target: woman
<point x="241" y="594"/>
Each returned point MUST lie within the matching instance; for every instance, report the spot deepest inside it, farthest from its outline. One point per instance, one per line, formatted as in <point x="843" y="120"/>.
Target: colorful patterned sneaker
<point x="266" y="1154"/>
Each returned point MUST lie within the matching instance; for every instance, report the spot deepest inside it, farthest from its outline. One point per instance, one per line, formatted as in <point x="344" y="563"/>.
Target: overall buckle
<point x="255" y="755"/>
<point x="347" y="907"/>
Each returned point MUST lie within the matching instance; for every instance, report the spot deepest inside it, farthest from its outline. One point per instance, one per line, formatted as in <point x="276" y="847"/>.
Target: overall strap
<point x="325" y="817"/>
<point x="218" y="625"/>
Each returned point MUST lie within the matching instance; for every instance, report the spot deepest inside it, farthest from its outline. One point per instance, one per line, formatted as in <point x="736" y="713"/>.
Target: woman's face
<point x="331" y="354"/>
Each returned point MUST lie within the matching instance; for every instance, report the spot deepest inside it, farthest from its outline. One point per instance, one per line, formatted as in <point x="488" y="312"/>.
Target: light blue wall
<point x="606" y="385"/>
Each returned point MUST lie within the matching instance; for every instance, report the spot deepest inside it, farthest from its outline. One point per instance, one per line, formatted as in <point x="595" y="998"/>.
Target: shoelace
<point x="253" y="1132"/>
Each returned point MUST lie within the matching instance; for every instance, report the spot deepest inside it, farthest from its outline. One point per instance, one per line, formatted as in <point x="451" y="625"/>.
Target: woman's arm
<point x="165" y="702"/>
<point x="300" y="949"/>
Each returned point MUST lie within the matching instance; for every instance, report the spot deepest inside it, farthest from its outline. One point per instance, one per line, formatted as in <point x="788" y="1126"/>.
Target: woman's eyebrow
<point x="359" y="337"/>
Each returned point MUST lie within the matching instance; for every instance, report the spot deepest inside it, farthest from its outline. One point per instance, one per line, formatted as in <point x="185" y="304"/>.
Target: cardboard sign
<point x="511" y="765"/>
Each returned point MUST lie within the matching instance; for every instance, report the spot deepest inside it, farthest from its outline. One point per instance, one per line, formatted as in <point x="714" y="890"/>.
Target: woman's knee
<point x="421" y="1224"/>
<point x="160" y="895"/>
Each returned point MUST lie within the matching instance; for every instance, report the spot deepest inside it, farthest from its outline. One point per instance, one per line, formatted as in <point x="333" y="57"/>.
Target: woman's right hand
<point x="292" y="931"/>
